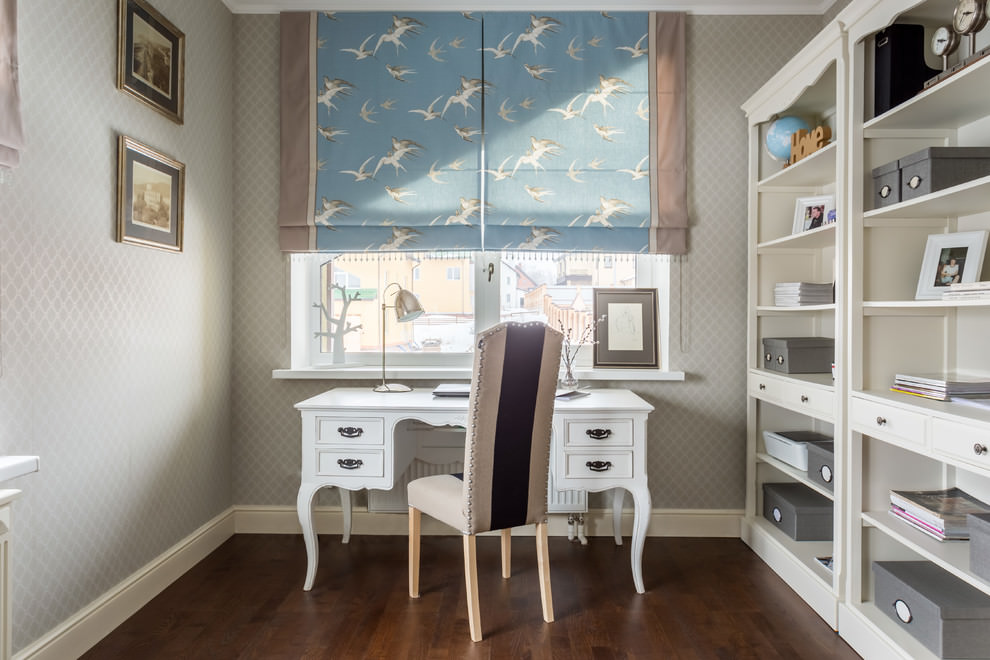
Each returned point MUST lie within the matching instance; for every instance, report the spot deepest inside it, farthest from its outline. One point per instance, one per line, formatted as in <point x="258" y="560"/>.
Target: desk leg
<point x="345" y="505"/>
<point x="618" y="494"/>
<point x="304" y="508"/>
<point x="641" y="519"/>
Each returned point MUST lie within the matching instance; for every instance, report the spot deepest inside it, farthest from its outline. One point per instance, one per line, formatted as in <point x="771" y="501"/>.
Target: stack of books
<point x="967" y="291"/>
<point x="940" y="514"/>
<point x="795" y="294"/>
<point x="942" y="387"/>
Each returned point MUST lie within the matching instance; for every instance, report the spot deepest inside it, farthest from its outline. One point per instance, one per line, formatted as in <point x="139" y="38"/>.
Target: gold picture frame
<point x="151" y="55"/>
<point x="150" y="196"/>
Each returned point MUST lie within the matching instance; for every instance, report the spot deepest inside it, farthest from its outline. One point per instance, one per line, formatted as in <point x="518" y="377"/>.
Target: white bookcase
<point x="883" y="440"/>
<point x="813" y="87"/>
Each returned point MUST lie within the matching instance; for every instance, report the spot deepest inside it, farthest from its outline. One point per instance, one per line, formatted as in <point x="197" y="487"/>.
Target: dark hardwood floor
<point x="706" y="598"/>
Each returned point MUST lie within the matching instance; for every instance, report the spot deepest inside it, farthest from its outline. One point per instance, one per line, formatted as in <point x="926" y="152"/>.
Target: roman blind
<point x="502" y="130"/>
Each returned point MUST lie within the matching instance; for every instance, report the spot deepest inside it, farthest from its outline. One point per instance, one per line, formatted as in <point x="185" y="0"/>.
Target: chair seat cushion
<point x="441" y="497"/>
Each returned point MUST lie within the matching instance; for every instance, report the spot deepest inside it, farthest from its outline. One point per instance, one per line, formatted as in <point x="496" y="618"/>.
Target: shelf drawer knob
<point x="885" y="191"/>
<point x="903" y="611"/>
<point x="598" y="434"/>
<point x="881" y="420"/>
<point x="350" y="431"/>
<point x="979" y="450"/>
<point x="350" y="463"/>
<point x="914" y="182"/>
<point x="804" y="398"/>
<point x="780" y="359"/>
<point x="763" y="386"/>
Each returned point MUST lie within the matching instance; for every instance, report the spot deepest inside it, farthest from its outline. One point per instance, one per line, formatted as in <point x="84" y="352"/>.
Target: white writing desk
<point x="352" y="438"/>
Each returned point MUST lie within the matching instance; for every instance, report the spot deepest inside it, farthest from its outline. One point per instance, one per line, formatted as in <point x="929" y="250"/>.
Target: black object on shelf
<point x="899" y="70"/>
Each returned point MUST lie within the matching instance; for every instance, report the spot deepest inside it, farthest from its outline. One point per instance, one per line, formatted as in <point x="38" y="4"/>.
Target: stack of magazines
<point x="940" y="514"/>
<point x="967" y="291"/>
<point x="941" y="386"/>
<point x="794" y="294"/>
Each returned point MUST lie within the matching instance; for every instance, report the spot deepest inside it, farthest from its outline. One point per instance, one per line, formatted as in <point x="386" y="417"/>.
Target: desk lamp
<point x="407" y="308"/>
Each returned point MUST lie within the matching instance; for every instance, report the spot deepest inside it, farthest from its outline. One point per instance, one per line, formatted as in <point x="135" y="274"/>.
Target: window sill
<point x="365" y="372"/>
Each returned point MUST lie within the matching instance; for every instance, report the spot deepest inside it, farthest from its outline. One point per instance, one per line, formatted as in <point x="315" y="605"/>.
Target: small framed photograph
<point x="813" y="212"/>
<point x="626" y="328"/>
<point x="150" y="191"/>
<point x="150" y="58"/>
<point x="950" y="258"/>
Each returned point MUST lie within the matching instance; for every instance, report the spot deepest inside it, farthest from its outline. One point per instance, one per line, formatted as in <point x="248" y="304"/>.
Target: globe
<point x="778" y="140"/>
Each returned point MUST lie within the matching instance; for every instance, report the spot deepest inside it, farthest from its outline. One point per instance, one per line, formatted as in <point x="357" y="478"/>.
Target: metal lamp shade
<point x="407" y="306"/>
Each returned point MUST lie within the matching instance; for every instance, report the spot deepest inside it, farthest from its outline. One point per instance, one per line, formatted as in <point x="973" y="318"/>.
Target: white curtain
<point x="11" y="131"/>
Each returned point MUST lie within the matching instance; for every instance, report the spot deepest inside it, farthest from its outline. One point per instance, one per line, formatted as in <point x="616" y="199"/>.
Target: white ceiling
<point x="816" y="7"/>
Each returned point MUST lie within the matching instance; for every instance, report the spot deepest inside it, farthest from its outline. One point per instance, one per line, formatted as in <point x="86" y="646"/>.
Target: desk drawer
<point x="350" y="463"/>
<point x="962" y="442"/>
<point x="887" y="422"/>
<point x="598" y="465"/>
<point x="350" y="430"/>
<point x="599" y="433"/>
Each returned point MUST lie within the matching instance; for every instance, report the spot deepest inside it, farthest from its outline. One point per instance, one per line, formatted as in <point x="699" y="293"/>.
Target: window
<point x="337" y="312"/>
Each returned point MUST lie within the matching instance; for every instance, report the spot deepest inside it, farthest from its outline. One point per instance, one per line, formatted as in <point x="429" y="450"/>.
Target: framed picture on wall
<point x="150" y="192"/>
<point x="150" y="58"/>
<point x="813" y="212"/>
<point x="949" y="259"/>
<point x="625" y="328"/>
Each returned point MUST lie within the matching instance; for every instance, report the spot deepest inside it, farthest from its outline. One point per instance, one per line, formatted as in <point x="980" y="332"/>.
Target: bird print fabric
<point x="502" y="130"/>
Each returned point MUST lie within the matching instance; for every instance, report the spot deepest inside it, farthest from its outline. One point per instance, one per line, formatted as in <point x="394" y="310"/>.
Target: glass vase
<point x="569" y="381"/>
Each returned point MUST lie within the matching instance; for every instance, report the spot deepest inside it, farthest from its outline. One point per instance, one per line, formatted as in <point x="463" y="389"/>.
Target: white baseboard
<point x="81" y="631"/>
<point x="85" y="628"/>
<point x="720" y="523"/>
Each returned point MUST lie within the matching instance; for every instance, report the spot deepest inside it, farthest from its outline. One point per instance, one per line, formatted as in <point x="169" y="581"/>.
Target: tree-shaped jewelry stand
<point x="338" y="326"/>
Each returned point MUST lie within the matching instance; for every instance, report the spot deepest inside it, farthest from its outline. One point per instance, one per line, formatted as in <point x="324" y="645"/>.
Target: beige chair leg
<point x="506" y="553"/>
<point x="543" y="560"/>
<point x="471" y="583"/>
<point x="415" y="518"/>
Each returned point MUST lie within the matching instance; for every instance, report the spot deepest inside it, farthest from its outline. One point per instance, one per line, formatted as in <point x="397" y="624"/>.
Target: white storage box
<point x="791" y="447"/>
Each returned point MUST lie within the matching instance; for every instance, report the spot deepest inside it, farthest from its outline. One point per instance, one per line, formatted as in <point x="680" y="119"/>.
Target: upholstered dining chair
<point x="506" y="456"/>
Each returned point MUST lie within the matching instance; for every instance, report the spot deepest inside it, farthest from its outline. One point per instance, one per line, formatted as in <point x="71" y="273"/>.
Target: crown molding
<point x="720" y="7"/>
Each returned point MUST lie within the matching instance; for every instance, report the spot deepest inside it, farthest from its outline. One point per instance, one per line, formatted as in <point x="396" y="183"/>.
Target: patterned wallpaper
<point x="116" y="359"/>
<point x="697" y="433"/>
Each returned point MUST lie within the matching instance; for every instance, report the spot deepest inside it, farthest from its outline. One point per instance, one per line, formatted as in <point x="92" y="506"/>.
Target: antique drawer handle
<point x="599" y="466"/>
<point x="350" y="463"/>
<point x="804" y="398"/>
<point x="598" y="434"/>
<point x="350" y="431"/>
<point x="914" y="182"/>
<point x="979" y="449"/>
<point x="763" y="386"/>
<point x="885" y="191"/>
<point x="881" y="420"/>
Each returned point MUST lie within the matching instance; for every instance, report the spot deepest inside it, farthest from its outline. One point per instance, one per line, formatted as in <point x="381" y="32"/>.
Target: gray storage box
<point x="948" y="616"/>
<point x="979" y="543"/>
<point x="821" y="464"/>
<point x="799" y="355"/>
<point x="936" y="168"/>
<point x="798" y="511"/>
<point x="886" y="185"/>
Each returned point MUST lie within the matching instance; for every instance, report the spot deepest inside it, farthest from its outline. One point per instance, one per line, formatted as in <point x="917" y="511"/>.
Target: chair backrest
<point x="507" y="447"/>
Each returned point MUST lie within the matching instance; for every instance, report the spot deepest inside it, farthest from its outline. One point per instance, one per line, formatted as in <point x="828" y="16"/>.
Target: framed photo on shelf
<point x="625" y="328"/>
<point x="150" y="58"/>
<point x="150" y="192"/>
<point x="813" y="212"/>
<point x="950" y="258"/>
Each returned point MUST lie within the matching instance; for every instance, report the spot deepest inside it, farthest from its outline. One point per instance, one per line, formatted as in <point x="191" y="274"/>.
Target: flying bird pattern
<point x="555" y="41"/>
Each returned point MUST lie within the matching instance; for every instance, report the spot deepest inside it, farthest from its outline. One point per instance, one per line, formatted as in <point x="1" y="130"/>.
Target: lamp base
<point x="392" y="387"/>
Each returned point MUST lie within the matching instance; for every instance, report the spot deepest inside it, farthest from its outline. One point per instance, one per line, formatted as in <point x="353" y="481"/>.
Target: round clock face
<point x="969" y="16"/>
<point x="944" y="41"/>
